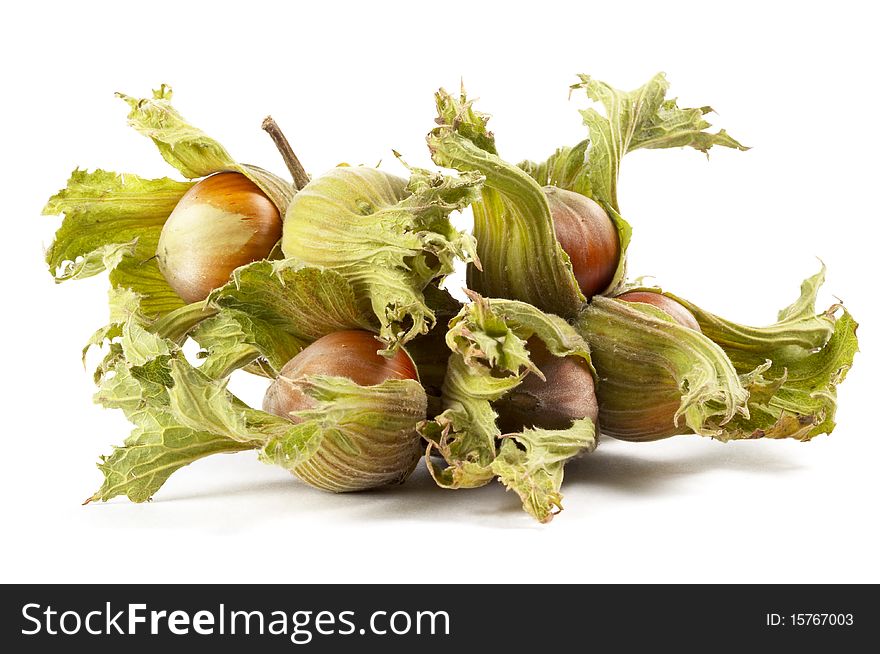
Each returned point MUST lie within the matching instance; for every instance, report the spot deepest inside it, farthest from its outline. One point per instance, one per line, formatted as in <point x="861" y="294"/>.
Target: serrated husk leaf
<point x="266" y="314"/>
<point x="531" y="464"/>
<point x="123" y="303"/>
<point x="516" y="243"/>
<point x="798" y="332"/>
<point x="227" y="344"/>
<point x="153" y="453"/>
<point x="429" y="351"/>
<point x="632" y="120"/>
<point x="269" y="311"/>
<point x="160" y="444"/>
<point x="179" y="413"/>
<point x="388" y="238"/>
<point x="354" y="438"/>
<point x="113" y="221"/>
<point x="490" y="358"/>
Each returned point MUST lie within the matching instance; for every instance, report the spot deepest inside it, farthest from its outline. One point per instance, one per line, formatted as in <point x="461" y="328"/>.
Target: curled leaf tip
<point x="164" y="92"/>
<point x="472" y="295"/>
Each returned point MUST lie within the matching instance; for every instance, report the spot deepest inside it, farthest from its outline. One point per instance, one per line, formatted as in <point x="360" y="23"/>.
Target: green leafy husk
<point x="791" y="368"/>
<point x="632" y="120"/>
<point x="429" y="351"/>
<point x="163" y="396"/>
<point x="656" y="378"/>
<point x="368" y="251"/>
<point x="516" y="244"/>
<point x="267" y="313"/>
<point x="489" y="359"/>
<point x="113" y="221"/>
<point x="191" y="151"/>
<point x="512" y="221"/>
<point x="355" y="437"/>
<point x="387" y="237"/>
<point x="273" y="309"/>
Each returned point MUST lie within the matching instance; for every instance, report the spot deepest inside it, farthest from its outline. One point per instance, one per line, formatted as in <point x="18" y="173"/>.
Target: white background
<point x="350" y="81"/>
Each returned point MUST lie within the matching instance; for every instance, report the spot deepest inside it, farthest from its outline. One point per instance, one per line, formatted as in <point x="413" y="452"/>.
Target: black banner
<point x="423" y="618"/>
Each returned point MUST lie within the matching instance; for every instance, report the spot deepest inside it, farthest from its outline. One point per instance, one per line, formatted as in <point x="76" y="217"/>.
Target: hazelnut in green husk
<point x="364" y="408"/>
<point x="657" y="376"/>
<point x="387" y="236"/>
<point x="497" y="346"/>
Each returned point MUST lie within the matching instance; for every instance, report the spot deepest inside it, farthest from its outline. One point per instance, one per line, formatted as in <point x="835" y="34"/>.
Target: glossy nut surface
<point x="568" y="393"/>
<point x="588" y="236"/>
<point x="223" y="222"/>
<point x="350" y="353"/>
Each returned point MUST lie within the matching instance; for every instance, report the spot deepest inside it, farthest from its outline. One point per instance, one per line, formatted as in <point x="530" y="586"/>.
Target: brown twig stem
<point x="299" y="174"/>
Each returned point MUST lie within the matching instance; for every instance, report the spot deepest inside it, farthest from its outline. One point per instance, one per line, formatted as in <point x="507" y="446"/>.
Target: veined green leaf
<point x="152" y="454"/>
<point x="305" y="302"/>
<point x="133" y="395"/>
<point x="798" y="332"/>
<point x="386" y="237"/>
<point x="632" y="120"/>
<point x="267" y="313"/>
<point x="159" y="444"/>
<point x="185" y="147"/>
<point x="354" y="437"/>
<point x="204" y="404"/>
<point x="516" y="243"/>
<point x="124" y="303"/>
<point x="106" y="257"/>
<point x="113" y="221"/>
<point x="567" y="168"/>
<point x="103" y="208"/>
<point x="531" y="464"/>
<point x="226" y="345"/>
<point x="180" y="415"/>
<point x="139" y="346"/>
